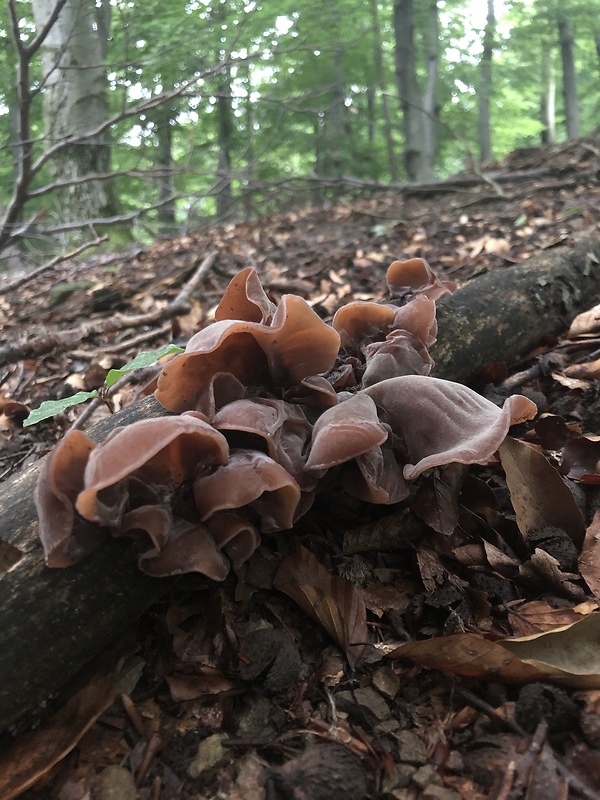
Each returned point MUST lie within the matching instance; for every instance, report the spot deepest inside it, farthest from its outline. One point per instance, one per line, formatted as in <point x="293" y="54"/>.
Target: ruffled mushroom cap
<point x="359" y="323"/>
<point x="66" y="537"/>
<point x="235" y="535"/>
<point x="392" y="341"/>
<point x="376" y="477"/>
<point x="245" y="299"/>
<point x="250" y="478"/>
<point x="283" y="427"/>
<point x="163" y="451"/>
<point x="415" y="276"/>
<point x="345" y="432"/>
<point x="221" y="389"/>
<point x="190" y="548"/>
<point x="155" y="520"/>
<point x="314" y="391"/>
<point x="440" y="422"/>
<point x="296" y="344"/>
<point x="400" y="354"/>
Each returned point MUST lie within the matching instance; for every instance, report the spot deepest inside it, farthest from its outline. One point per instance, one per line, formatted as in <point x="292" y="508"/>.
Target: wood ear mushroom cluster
<point x="267" y="401"/>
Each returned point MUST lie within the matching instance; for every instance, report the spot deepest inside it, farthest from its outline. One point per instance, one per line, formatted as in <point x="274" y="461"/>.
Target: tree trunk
<point x="548" y="98"/>
<point x="569" y="82"/>
<point x="75" y="103"/>
<point x="164" y="161"/>
<point x="415" y="160"/>
<point x="381" y="85"/>
<point x="431" y="111"/>
<point x="223" y="191"/>
<point x="485" y="85"/>
<point x="54" y="621"/>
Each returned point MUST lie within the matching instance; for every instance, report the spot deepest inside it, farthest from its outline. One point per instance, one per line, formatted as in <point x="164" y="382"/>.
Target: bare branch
<point x="8" y="287"/>
<point x="39" y="39"/>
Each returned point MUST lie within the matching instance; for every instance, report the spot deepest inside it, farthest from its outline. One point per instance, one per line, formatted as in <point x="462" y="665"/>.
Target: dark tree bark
<point x="485" y="85"/>
<point x="52" y="622"/>
<point x="504" y="314"/>
<point x="569" y="77"/>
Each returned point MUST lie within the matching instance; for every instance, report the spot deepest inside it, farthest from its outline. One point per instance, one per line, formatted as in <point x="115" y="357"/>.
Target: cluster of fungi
<point x="269" y="404"/>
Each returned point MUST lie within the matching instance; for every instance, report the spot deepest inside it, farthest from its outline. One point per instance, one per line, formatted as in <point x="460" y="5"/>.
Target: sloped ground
<point x="234" y="689"/>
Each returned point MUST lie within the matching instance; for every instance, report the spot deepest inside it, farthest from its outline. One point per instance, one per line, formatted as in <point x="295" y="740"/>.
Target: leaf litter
<point x="272" y="681"/>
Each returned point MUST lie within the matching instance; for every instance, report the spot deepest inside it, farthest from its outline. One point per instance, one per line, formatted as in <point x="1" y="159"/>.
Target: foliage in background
<point x="266" y="98"/>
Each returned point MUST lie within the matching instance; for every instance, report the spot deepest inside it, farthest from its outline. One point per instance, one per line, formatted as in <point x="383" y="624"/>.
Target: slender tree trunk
<point x="381" y="85"/>
<point x="75" y="103"/>
<point x="548" y="98"/>
<point x="249" y="155"/>
<point x="164" y="161"/>
<point x="485" y="85"/>
<point x="224" y="193"/>
<point x="567" y="53"/>
<point x="431" y="111"/>
<point x="415" y="161"/>
<point x="597" y="43"/>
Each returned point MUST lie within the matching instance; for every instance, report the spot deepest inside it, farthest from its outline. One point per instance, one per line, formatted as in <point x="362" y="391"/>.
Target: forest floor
<point x="236" y="691"/>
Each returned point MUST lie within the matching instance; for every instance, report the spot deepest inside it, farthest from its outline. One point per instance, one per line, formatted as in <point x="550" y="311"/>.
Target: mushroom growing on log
<point x="55" y="621"/>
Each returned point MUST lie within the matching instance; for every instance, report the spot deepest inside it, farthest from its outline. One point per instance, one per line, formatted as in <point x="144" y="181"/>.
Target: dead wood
<point x="54" y="621"/>
<point x="504" y="314"/>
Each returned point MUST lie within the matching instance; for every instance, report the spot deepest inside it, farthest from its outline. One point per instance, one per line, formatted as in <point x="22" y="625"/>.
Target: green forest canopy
<point x="262" y="98"/>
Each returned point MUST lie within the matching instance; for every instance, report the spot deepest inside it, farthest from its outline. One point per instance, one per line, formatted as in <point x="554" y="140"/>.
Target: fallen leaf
<point x="538" y="616"/>
<point x="580" y="458"/>
<point x="589" y="560"/>
<point x="586" y="322"/>
<point x="207" y="681"/>
<point x="538" y="493"/>
<point x="331" y="600"/>
<point x="468" y="655"/>
<point x="34" y="754"/>
<point x="436" y="502"/>
<point x="587" y="370"/>
<point x="569" y="656"/>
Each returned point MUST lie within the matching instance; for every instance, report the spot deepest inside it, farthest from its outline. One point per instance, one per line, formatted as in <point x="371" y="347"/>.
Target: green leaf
<point x="143" y="359"/>
<point x="50" y="408"/>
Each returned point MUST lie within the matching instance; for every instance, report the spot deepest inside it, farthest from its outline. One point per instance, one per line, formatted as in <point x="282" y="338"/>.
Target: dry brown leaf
<point x="539" y="495"/>
<point x="581" y="458"/>
<point x="587" y="370"/>
<point x="569" y="656"/>
<point x="586" y="322"/>
<point x="538" y="616"/>
<point x="589" y="560"/>
<point x="436" y="502"/>
<point x="331" y="600"/>
<point x="34" y="754"/>
<point x="468" y="655"/>
<point x="570" y="383"/>
<point x="207" y="681"/>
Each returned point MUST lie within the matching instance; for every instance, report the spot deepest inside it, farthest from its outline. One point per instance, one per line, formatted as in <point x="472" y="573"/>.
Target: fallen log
<point x="52" y="622"/>
<point x="504" y="314"/>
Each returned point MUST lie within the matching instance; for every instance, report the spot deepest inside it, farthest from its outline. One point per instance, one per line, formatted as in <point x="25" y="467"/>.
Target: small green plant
<point x="50" y="408"/>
